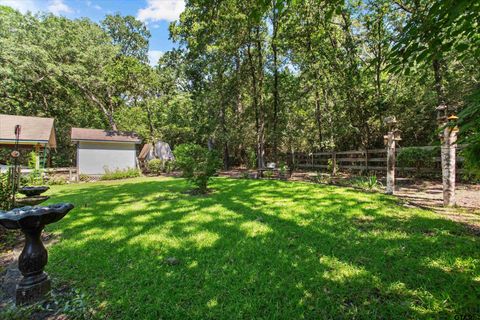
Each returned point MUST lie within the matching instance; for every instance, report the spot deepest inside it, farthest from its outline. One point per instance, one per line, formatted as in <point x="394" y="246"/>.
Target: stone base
<point x="33" y="293"/>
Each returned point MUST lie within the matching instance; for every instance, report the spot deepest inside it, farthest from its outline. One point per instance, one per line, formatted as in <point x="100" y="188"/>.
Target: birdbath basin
<point x="30" y="201"/>
<point x="35" y="284"/>
<point x="32" y="191"/>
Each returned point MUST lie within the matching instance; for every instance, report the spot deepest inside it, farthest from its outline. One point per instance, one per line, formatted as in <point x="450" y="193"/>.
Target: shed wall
<point x="94" y="157"/>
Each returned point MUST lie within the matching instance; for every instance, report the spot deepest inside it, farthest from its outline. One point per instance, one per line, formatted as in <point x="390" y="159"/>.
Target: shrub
<point x="283" y="168"/>
<point x="155" y="166"/>
<point x="118" y="174"/>
<point x="268" y="174"/>
<point x="321" y="177"/>
<point x="416" y="158"/>
<point x="251" y="159"/>
<point x="245" y="175"/>
<point x="170" y="166"/>
<point x="368" y="183"/>
<point x="56" y="180"/>
<point x="472" y="165"/>
<point x="197" y="163"/>
<point x="330" y="167"/>
<point x="5" y="191"/>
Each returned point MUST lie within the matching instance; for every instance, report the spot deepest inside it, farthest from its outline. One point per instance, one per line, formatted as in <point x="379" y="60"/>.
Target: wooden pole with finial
<point x="390" y="141"/>
<point x="448" y="138"/>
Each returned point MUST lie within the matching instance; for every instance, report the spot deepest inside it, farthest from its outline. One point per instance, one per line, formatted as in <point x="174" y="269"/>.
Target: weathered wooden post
<point x="334" y="163"/>
<point x="390" y="141"/>
<point x="448" y="139"/>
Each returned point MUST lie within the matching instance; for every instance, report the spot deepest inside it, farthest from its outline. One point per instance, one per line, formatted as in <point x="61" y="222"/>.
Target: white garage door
<point x="94" y="157"/>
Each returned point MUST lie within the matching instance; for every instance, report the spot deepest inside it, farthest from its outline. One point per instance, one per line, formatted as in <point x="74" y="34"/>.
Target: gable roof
<point x="99" y="135"/>
<point x="34" y="130"/>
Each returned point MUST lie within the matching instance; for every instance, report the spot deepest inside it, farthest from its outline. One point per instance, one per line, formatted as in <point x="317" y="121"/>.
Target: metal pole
<point x="15" y="154"/>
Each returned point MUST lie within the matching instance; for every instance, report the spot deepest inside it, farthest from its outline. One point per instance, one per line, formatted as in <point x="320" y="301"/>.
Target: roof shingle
<point x="81" y="134"/>
<point x="34" y="130"/>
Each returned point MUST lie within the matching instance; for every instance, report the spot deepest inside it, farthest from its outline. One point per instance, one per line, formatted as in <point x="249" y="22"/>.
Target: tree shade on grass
<point x="260" y="249"/>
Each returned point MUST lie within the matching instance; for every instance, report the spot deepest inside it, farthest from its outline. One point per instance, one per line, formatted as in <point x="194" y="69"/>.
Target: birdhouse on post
<point x="390" y="141"/>
<point x="448" y="138"/>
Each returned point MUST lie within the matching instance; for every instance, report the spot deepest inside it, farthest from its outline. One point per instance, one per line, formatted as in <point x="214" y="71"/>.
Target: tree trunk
<point x="437" y="72"/>
<point x="261" y="135"/>
<point x="257" y="101"/>
<point x="276" y="98"/>
<point x="318" y="117"/>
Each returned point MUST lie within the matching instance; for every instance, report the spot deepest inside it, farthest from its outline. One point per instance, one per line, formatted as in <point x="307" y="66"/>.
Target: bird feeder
<point x="396" y="135"/>
<point x="452" y="122"/>
<point x="442" y="113"/>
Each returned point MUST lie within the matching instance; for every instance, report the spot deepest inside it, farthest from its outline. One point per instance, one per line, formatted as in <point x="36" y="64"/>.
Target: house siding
<point x="94" y="157"/>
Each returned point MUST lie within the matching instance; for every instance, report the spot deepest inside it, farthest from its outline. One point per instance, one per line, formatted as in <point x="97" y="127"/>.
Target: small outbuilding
<point x="101" y="150"/>
<point x="35" y="133"/>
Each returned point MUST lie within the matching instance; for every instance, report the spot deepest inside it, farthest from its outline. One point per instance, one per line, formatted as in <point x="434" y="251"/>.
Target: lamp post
<point x="390" y="142"/>
<point x="15" y="155"/>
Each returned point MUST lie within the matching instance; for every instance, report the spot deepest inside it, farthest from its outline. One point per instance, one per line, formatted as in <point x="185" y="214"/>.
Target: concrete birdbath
<point x="32" y="191"/>
<point x="35" y="284"/>
<point x="32" y="196"/>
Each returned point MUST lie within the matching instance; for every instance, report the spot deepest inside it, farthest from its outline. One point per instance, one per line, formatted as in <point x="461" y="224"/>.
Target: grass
<point x="260" y="249"/>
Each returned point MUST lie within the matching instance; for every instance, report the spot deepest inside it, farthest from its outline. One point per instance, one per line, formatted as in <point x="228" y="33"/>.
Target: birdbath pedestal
<point x="35" y="284"/>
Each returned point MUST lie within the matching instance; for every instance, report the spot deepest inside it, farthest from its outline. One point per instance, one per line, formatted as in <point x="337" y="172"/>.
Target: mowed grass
<point x="258" y="249"/>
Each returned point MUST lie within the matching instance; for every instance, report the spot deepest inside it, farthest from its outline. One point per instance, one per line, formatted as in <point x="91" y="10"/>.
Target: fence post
<point x="390" y="140"/>
<point x="334" y="163"/>
<point x="366" y="160"/>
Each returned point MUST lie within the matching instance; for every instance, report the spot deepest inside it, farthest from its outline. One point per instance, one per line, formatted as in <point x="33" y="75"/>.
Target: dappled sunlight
<point x="339" y="271"/>
<point x="280" y="248"/>
<point x="255" y="228"/>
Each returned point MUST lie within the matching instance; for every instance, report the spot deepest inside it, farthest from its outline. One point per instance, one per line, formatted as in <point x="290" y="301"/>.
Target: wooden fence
<point x="367" y="160"/>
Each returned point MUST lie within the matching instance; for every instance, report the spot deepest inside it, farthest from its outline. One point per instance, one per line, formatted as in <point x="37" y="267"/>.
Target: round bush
<point x="155" y="166"/>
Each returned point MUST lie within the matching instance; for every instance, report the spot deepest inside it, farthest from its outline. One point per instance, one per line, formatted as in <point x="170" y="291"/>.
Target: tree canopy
<point x="254" y="79"/>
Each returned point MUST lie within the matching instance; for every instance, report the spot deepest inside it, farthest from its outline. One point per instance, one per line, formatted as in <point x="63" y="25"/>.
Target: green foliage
<point x="156" y="166"/>
<point x="118" y="174"/>
<point x="257" y="79"/>
<point x="5" y="191"/>
<point x="198" y="164"/>
<point x="268" y="174"/>
<point x="323" y="178"/>
<point x="170" y="166"/>
<point x="68" y="303"/>
<point x="251" y="159"/>
<point x="130" y="34"/>
<point x="283" y="169"/>
<point x="470" y="135"/>
<point x="330" y="167"/>
<point x="367" y="183"/>
<point x="32" y="160"/>
<point x="417" y="158"/>
<point x="56" y="180"/>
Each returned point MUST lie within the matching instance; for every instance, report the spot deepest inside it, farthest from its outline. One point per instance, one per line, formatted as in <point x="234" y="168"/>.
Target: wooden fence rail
<point x="367" y="160"/>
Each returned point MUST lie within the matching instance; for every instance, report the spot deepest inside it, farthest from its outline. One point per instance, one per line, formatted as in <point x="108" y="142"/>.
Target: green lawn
<point x="260" y="249"/>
